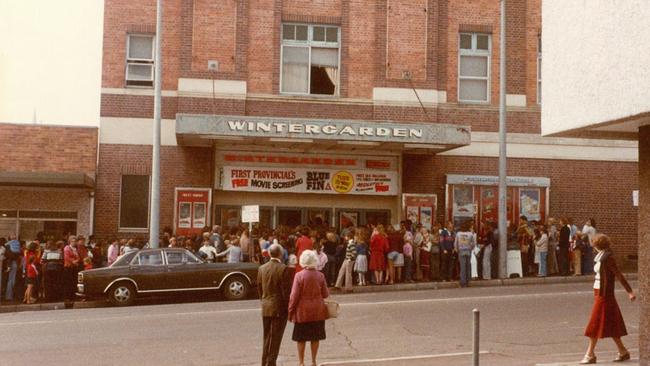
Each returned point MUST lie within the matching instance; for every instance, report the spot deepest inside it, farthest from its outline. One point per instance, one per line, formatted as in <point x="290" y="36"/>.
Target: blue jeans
<point x="543" y="256"/>
<point x="11" y="280"/>
<point x="465" y="267"/>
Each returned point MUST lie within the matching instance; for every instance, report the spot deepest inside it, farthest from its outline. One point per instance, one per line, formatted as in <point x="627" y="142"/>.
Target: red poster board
<point x="420" y="208"/>
<point x="192" y="207"/>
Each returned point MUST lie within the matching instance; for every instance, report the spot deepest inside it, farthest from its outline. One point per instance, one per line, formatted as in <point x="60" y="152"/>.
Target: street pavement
<point x="520" y="325"/>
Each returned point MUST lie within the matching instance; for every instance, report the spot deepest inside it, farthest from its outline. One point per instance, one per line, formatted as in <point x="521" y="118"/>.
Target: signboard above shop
<point x="309" y="180"/>
<point x="209" y="126"/>
<point x="487" y="180"/>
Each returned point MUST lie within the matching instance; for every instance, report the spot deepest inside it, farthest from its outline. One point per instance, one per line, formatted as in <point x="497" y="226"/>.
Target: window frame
<point x="309" y="44"/>
<point x="122" y="229"/>
<point x="140" y="61"/>
<point x="475" y="52"/>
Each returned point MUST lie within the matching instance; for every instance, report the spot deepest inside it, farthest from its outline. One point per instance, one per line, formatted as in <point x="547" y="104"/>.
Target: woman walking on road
<point x="307" y="308"/>
<point x="606" y="320"/>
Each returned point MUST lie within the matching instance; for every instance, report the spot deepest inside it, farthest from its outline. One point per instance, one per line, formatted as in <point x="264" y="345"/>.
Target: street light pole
<point x="154" y="216"/>
<point x="503" y="229"/>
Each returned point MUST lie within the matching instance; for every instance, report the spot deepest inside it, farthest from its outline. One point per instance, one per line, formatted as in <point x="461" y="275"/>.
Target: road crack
<point x="347" y="339"/>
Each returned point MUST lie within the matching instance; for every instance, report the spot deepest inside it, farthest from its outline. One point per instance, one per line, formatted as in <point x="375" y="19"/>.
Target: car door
<point x="147" y="269"/>
<point x="185" y="271"/>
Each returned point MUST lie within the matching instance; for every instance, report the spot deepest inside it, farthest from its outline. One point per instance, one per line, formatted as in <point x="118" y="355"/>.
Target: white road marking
<point x="257" y="309"/>
<point x="405" y="358"/>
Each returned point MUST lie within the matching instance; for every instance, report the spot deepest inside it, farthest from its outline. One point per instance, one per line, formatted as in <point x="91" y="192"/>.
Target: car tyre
<point x="235" y="288"/>
<point x="122" y="294"/>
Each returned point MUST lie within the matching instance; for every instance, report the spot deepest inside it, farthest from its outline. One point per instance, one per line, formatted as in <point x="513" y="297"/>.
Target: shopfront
<point x="334" y="173"/>
<point x="476" y="197"/>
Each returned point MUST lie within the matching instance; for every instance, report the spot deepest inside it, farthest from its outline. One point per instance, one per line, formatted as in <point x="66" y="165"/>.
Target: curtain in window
<point x="295" y="69"/>
<point x="328" y="59"/>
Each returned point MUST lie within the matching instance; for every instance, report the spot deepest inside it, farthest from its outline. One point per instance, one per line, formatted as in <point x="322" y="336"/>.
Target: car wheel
<point x="122" y="294"/>
<point x="235" y="288"/>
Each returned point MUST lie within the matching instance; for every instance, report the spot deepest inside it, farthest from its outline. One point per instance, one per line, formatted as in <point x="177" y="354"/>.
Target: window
<point x="134" y="202"/>
<point x="139" y="60"/>
<point x="539" y="70"/>
<point x="310" y="59"/>
<point x="474" y="67"/>
<point x="178" y="257"/>
<point x="153" y="258"/>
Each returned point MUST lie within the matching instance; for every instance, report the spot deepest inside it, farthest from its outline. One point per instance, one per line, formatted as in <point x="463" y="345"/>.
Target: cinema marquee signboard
<point x="309" y="180"/>
<point x="321" y="129"/>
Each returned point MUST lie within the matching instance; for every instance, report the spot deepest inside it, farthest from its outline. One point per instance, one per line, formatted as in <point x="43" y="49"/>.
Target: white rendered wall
<point x="50" y="61"/>
<point x="596" y="57"/>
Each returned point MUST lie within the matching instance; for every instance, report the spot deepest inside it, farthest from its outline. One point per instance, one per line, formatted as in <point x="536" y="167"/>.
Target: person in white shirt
<point x="113" y="251"/>
<point x="590" y="229"/>
<point x="208" y="251"/>
<point x="233" y="252"/>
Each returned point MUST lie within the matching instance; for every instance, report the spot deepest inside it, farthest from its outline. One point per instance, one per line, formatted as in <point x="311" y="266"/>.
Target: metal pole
<point x="154" y="216"/>
<point x="503" y="229"/>
<point x="475" y="340"/>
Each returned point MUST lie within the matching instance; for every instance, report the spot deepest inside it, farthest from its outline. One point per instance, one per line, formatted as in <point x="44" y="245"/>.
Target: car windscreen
<point x="124" y="260"/>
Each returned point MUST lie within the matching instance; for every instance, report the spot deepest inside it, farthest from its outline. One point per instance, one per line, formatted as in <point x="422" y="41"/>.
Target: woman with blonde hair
<point x="307" y="308"/>
<point x="606" y="320"/>
<point x="378" y="250"/>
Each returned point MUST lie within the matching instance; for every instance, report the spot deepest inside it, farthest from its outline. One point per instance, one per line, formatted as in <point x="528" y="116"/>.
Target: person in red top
<point x="32" y="275"/>
<point x="71" y="263"/>
<point x="378" y="248"/>
<point x="303" y="243"/>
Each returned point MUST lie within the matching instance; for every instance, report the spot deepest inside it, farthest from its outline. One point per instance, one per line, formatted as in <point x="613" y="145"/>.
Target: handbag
<point x="332" y="308"/>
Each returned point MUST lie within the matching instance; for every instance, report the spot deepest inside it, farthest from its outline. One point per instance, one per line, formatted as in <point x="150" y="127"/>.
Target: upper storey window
<point x="474" y="67"/>
<point x="140" y="60"/>
<point x="310" y="59"/>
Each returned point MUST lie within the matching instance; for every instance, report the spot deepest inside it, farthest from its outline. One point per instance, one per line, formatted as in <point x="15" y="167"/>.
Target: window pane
<point x="139" y="71"/>
<point x="473" y="90"/>
<point x="474" y="66"/>
<point x="482" y="42"/>
<point x="134" y="201"/>
<point x="319" y="34"/>
<point x="295" y="69"/>
<point x="288" y="31"/>
<point x="301" y="32"/>
<point x="466" y="41"/>
<point x="332" y="35"/>
<point x="174" y="257"/>
<point x="151" y="258"/>
<point x="325" y="57"/>
<point x="141" y="47"/>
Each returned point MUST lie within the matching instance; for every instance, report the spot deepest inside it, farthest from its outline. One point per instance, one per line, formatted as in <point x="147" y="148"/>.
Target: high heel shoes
<point x="588" y="360"/>
<point x="622" y="357"/>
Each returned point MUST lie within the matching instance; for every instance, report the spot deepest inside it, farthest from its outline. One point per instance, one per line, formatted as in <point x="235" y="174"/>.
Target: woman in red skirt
<point x="606" y="320"/>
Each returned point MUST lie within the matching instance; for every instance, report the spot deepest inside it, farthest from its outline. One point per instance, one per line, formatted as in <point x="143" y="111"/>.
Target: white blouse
<point x="597" y="270"/>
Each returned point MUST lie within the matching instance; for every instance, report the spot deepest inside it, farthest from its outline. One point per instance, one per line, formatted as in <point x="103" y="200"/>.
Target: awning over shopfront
<point x="46" y="179"/>
<point x="205" y="130"/>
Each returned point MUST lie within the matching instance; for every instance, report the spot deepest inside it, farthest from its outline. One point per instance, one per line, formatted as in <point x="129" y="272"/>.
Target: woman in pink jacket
<point x="307" y="308"/>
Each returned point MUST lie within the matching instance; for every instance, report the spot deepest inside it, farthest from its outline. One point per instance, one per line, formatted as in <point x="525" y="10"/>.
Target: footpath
<point x="11" y="308"/>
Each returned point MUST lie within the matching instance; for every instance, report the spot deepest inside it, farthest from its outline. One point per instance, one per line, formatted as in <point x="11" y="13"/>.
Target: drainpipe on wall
<point x="91" y="210"/>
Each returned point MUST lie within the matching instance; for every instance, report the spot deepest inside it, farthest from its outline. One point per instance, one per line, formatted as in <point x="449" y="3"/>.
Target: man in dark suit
<point x="274" y="288"/>
<point x="563" y="245"/>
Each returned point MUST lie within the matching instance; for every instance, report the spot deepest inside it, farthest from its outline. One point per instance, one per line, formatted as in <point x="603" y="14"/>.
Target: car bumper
<point x="80" y="288"/>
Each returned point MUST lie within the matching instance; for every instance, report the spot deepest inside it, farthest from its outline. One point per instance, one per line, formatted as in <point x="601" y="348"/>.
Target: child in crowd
<point x="31" y="278"/>
<point x="408" y="260"/>
<point x="88" y="263"/>
<point x="292" y="261"/>
<point x="361" y="263"/>
<point x="322" y="257"/>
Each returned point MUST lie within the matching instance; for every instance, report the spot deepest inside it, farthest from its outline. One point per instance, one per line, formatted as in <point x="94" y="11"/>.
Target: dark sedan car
<point x="155" y="271"/>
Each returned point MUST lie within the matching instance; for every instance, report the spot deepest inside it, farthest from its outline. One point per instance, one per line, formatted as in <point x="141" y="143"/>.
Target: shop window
<point x="140" y="60"/>
<point x="134" y="202"/>
<point x="377" y="217"/>
<point x="474" y="68"/>
<point x="310" y="59"/>
<point x="290" y="217"/>
<point x="230" y="216"/>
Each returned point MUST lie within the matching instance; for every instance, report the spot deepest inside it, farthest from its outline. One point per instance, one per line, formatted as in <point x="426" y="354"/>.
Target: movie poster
<point x="413" y="214"/>
<point x="529" y="204"/>
<point x="426" y="217"/>
<point x="199" y="221"/>
<point x="348" y="219"/>
<point x="185" y="215"/>
<point x="463" y="205"/>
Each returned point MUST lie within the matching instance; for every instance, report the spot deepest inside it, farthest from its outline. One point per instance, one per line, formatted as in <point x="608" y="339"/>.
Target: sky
<point x="50" y="61"/>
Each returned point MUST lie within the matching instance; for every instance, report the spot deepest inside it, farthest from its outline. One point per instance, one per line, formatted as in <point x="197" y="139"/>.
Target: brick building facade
<point x="47" y="180"/>
<point x="394" y="63"/>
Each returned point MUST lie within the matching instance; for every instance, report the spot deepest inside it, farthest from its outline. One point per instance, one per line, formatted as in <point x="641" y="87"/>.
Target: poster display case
<point x="476" y="198"/>
<point x="191" y="210"/>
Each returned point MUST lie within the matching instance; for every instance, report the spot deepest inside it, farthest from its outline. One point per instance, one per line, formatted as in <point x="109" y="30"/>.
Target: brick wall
<point x="644" y="244"/>
<point x="579" y="189"/>
<point x="180" y="167"/>
<point x="42" y="148"/>
<point x="380" y="40"/>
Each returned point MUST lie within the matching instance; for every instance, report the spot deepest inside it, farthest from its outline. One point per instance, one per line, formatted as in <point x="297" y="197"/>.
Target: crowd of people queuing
<point x="372" y="254"/>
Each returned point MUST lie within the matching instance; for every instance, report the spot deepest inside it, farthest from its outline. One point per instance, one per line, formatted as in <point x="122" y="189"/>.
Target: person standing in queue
<point x="71" y="262"/>
<point x="303" y="243"/>
<point x="274" y="287"/>
<point x="563" y="246"/>
<point x="463" y="245"/>
<point x="606" y="320"/>
<point x="307" y="308"/>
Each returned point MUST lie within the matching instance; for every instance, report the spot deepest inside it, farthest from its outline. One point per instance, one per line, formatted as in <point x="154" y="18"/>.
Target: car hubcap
<point x="236" y="288"/>
<point x="122" y="294"/>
